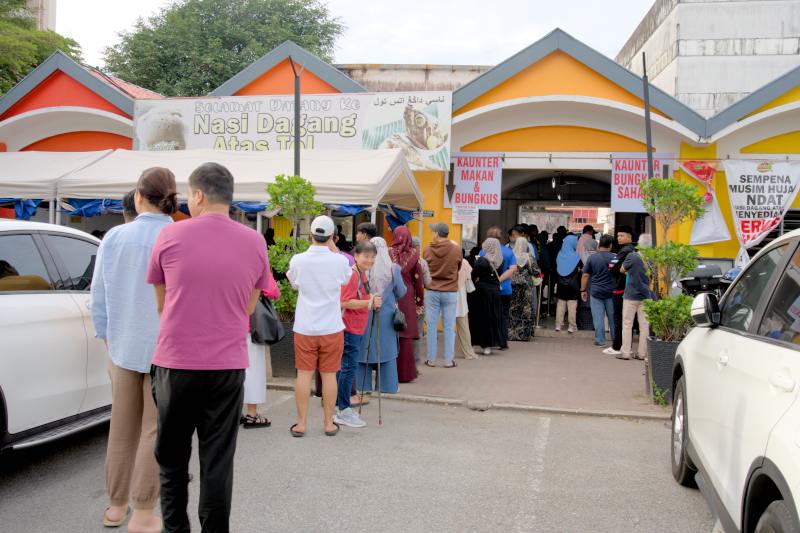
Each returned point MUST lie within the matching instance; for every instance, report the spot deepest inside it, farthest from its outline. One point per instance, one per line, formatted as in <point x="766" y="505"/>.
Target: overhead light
<point x="553" y="182"/>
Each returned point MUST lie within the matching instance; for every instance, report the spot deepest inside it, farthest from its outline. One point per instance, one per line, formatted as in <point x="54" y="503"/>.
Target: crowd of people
<point x="174" y="309"/>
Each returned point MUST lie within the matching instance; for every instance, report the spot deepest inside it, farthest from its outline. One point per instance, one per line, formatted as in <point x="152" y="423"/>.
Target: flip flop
<point x="335" y="431"/>
<point x="115" y="523"/>
<point x="297" y="434"/>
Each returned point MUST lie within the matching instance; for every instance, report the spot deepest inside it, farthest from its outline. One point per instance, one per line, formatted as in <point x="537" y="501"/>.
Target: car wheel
<point x="682" y="468"/>
<point x="777" y="519"/>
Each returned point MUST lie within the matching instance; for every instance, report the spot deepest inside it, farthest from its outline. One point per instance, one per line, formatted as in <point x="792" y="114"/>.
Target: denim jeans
<point x="345" y="376"/>
<point x="600" y="308"/>
<point x="445" y="302"/>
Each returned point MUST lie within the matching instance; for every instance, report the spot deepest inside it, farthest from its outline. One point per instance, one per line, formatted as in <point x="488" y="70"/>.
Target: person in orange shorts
<point x="318" y="275"/>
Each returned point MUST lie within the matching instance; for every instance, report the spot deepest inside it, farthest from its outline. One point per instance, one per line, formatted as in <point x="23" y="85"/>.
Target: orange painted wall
<point x="60" y="90"/>
<point x="280" y="80"/>
<point x="555" y="139"/>
<point x="557" y="73"/>
<point x="81" y="141"/>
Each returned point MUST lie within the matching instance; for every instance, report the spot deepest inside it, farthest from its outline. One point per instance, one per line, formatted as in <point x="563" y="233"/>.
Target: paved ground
<point x="560" y="371"/>
<point x="430" y="468"/>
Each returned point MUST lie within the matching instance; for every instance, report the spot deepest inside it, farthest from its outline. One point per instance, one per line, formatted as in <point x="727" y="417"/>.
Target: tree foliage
<point x="671" y="261"/>
<point x="293" y="196"/>
<point x="22" y="46"/>
<point x="191" y="47"/>
<point x="671" y="202"/>
<point x="280" y="254"/>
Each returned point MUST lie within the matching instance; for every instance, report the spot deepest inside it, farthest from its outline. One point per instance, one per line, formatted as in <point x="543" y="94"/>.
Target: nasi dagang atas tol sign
<point x="416" y="122"/>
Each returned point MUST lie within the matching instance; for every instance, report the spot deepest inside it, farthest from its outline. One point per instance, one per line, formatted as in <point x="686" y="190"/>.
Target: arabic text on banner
<point x="628" y="171"/>
<point x="416" y="122"/>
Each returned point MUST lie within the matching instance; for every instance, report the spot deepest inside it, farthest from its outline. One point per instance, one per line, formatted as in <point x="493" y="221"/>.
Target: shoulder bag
<point x="265" y="326"/>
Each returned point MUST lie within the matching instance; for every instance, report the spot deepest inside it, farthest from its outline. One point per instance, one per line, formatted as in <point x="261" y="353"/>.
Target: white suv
<point x="736" y="414"/>
<point x="53" y="377"/>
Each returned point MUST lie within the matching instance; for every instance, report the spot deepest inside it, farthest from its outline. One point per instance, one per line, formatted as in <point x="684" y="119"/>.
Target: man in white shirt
<point x="318" y="275"/>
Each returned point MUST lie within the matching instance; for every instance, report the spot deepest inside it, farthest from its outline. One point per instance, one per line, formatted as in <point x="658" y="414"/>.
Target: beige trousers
<point x="631" y="309"/>
<point x="463" y="338"/>
<point x="131" y="468"/>
<point x="564" y="306"/>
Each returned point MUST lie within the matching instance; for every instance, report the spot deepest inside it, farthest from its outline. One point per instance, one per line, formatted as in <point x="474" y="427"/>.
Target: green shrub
<point x="670" y="318"/>
<point x="279" y="256"/>
<point x="671" y="261"/>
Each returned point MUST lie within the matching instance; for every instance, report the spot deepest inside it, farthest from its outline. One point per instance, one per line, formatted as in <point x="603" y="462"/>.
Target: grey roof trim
<point x="760" y="97"/>
<point x="560" y="40"/>
<point x="60" y="61"/>
<point x="321" y="69"/>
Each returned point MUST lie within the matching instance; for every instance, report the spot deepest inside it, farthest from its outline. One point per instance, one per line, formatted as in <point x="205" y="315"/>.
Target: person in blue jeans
<point x="444" y="262"/>
<point x="356" y="304"/>
<point x="599" y="278"/>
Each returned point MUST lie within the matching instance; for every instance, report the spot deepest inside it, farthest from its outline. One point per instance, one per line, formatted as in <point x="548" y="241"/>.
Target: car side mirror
<point x="705" y="311"/>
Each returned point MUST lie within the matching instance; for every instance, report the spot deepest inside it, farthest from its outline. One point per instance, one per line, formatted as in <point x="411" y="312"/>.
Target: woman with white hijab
<point x="485" y="317"/>
<point x="385" y="279"/>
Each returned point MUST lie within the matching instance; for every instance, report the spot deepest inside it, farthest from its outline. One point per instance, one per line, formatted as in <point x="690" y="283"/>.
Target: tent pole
<point x="259" y="222"/>
<point x="373" y="215"/>
<point x="58" y="212"/>
<point x="51" y="218"/>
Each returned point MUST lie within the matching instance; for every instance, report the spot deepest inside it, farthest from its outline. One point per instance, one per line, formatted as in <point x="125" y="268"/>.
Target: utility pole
<point x="649" y="140"/>
<point x="297" y="76"/>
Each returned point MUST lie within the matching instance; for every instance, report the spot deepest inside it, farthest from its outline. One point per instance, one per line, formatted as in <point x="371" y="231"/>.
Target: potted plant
<point x="670" y="202"/>
<point x="293" y="197"/>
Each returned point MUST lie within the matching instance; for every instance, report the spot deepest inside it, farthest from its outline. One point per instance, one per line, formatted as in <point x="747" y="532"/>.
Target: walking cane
<point x="366" y="362"/>
<point x="380" y="410"/>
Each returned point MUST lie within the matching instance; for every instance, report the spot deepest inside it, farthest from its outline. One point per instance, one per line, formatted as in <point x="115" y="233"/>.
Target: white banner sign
<point x="478" y="178"/>
<point x="761" y="192"/>
<point x="627" y="172"/>
<point x="418" y="122"/>
<point x="465" y="214"/>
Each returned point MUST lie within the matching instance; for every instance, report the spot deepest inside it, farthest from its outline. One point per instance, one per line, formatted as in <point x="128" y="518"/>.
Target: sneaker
<point x="601" y="344"/>
<point x="348" y="417"/>
<point x="572" y="330"/>
<point x="558" y="328"/>
<point x="611" y="351"/>
<point x="487" y="351"/>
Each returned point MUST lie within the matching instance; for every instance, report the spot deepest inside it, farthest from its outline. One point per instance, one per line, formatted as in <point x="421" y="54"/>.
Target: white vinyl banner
<point x="761" y="193"/>
<point x="418" y="123"/>
<point x="628" y="170"/>
<point x="478" y="178"/>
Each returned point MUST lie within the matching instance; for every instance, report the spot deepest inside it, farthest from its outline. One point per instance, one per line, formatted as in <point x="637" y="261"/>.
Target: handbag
<point x="399" y="320"/>
<point x="265" y="327"/>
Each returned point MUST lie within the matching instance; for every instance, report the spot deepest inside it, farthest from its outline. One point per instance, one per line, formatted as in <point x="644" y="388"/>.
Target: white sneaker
<point x="611" y="351"/>
<point x="487" y="351"/>
<point x="348" y="417"/>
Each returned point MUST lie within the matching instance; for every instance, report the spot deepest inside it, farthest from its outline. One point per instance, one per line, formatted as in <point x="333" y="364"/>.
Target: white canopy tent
<point x="35" y="174"/>
<point x="361" y="177"/>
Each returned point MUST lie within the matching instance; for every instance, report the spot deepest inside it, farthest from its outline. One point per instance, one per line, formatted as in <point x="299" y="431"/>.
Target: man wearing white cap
<point x="318" y="275"/>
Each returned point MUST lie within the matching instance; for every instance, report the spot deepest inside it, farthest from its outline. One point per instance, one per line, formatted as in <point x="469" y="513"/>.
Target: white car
<point x="736" y="414"/>
<point x="53" y="371"/>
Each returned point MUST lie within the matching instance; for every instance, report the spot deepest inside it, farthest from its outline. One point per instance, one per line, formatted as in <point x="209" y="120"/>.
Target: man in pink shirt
<point x="208" y="273"/>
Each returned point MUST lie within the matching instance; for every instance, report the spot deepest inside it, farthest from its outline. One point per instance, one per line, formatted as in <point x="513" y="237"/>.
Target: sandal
<point x="451" y="365"/>
<point x="257" y="421"/>
<point x="115" y="523"/>
<point x="296" y="434"/>
<point x="335" y="431"/>
<point x="428" y="363"/>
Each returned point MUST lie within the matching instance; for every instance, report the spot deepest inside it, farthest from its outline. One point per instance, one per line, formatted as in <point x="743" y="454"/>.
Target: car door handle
<point x="782" y="381"/>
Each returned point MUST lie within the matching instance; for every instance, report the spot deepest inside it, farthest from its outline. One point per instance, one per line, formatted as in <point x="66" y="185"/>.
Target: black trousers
<point x="617" y="300"/>
<point x="505" y="307"/>
<point x="209" y="402"/>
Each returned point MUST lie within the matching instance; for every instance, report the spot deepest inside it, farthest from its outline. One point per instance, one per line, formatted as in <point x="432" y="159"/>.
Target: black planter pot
<point x="661" y="355"/>
<point x="282" y="354"/>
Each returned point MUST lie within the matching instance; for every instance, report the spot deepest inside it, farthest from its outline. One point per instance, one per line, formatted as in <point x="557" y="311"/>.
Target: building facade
<point x="710" y="54"/>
